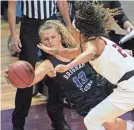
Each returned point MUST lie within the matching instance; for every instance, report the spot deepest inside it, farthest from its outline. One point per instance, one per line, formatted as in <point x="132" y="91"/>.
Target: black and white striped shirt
<point x="69" y="6"/>
<point x="39" y="9"/>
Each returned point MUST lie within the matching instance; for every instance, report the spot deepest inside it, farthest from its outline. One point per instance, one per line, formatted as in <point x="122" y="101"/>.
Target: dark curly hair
<point x="91" y="19"/>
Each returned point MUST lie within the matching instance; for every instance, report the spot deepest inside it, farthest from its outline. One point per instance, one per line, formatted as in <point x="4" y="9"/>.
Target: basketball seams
<point x="26" y="69"/>
<point x="21" y="74"/>
<point x="18" y="76"/>
<point x="11" y="80"/>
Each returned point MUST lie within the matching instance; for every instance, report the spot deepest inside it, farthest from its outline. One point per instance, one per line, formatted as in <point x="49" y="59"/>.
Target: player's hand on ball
<point x="61" y="68"/>
<point x="6" y="76"/>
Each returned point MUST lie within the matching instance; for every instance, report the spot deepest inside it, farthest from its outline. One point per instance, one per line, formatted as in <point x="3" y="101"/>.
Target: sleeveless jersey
<point x="84" y="87"/>
<point x="113" y="63"/>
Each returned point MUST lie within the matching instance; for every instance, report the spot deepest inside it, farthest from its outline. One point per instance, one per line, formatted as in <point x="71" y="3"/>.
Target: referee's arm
<point x="12" y="16"/>
<point x="16" y="44"/>
<point x="64" y="11"/>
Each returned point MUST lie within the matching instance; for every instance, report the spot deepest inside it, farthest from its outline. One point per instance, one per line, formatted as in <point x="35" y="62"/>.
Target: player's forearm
<point x="83" y="58"/>
<point x="39" y="75"/>
<point x="12" y="16"/>
<point x="69" y="53"/>
<point x="64" y="10"/>
<point x="41" y="71"/>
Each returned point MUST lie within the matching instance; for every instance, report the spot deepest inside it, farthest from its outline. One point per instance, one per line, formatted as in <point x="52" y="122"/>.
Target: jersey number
<point x="80" y="80"/>
<point x="119" y="50"/>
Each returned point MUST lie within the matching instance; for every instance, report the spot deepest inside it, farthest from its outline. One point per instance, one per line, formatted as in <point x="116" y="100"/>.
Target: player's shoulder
<point x="108" y="41"/>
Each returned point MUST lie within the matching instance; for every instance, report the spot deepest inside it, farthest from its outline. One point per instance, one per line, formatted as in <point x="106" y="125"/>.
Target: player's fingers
<point x="6" y="71"/>
<point x="5" y="75"/>
<point x="54" y="73"/>
<point x="39" y="46"/>
<point x="57" y="68"/>
<point x="20" y="45"/>
<point x="14" y="48"/>
<point x="17" y="47"/>
<point x="6" y="78"/>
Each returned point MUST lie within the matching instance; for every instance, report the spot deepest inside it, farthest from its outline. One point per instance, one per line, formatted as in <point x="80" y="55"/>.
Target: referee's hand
<point x="16" y="44"/>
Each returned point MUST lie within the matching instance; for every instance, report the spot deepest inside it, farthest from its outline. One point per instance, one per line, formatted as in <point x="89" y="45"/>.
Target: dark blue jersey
<point x="84" y="87"/>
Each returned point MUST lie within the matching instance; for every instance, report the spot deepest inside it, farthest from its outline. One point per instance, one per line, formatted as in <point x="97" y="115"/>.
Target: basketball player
<point x="34" y="13"/>
<point x="108" y="59"/>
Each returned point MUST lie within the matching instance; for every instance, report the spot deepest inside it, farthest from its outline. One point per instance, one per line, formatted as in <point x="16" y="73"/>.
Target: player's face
<point x="51" y="38"/>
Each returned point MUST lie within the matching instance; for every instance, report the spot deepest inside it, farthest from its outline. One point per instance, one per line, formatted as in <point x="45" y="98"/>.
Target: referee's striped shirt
<point x="39" y="9"/>
<point x="69" y="6"/>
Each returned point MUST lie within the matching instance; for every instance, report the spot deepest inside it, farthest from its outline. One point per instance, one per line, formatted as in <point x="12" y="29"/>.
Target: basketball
<point x="21" y="74"/>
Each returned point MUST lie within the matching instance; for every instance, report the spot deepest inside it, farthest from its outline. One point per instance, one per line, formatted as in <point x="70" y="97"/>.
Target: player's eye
<point x="53" y="37"/>
<point x="46" y="39"/>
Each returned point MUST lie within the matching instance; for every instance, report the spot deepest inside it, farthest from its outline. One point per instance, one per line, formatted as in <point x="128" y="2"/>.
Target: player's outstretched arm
<point x="88" y="54"/>
<point x="69" y="53"/>
<point x="45" y="68"/>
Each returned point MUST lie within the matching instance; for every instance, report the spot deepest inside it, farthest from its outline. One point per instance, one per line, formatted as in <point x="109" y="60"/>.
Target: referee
<point x="34" y="13"/>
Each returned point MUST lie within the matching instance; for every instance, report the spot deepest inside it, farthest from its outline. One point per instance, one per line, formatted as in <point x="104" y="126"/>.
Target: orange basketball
<point x="21" y="74"/>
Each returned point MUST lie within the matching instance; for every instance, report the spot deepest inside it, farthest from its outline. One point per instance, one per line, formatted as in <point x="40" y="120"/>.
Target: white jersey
<point x="113" y="63"/>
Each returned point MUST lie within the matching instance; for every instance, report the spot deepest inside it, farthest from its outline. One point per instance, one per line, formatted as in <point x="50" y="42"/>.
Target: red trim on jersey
<point x="105" y="42"/>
